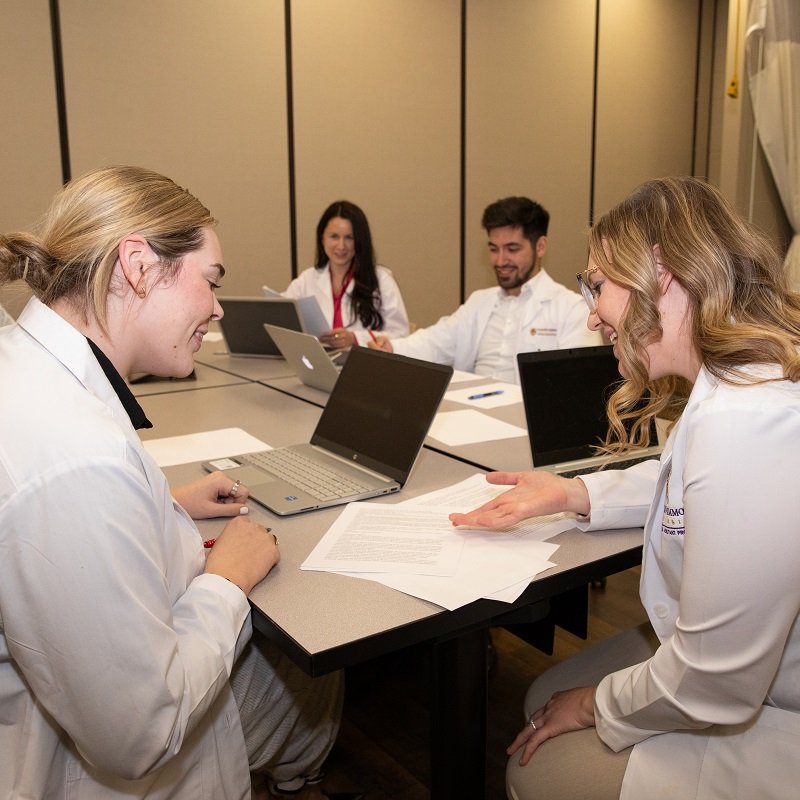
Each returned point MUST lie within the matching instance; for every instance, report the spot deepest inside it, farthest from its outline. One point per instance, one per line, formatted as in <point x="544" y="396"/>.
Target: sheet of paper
<point x="459" y="376"/>
<point x="368" y="537"/>
<point x="475" y="491"/>
<point x="488" y="395"/>
<point x="493" y="565"/>
<point x="314" y="321"/>
<point x="470" y="427"/>
<point x="497" y="565"/>
<point x="213" y="336"/>
<point x="202" y="446"/>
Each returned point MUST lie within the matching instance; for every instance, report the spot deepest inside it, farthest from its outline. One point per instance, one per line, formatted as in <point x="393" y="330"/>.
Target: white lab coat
<point x="314" y="282"/>
<point x="721" y="586"/>
<point x="554" y="318"/>
<point x="115" y="651"/>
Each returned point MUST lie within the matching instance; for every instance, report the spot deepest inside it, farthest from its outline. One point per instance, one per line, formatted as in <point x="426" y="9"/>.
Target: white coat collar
<point x="70" y="347"/>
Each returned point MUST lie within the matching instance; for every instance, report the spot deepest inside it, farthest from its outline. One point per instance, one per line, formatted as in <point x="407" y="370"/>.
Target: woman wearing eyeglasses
<point x="705" y="701"/>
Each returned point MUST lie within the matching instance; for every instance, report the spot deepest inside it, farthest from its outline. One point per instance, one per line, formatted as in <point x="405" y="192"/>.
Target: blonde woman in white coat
<point x="126" y="663"/>
<point x="709" y="706"/>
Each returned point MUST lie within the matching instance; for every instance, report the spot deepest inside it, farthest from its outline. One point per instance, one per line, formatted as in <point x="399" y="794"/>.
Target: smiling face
<point x="513" y="257"/>
<point x="672" y="352"/>
<point x="339" y="243"/>
<point x="177" y="309"/>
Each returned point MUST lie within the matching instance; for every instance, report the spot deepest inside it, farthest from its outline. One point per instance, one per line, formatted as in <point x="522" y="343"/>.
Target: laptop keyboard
<point x="319" y="481"/>
<point x="621" y="464"/>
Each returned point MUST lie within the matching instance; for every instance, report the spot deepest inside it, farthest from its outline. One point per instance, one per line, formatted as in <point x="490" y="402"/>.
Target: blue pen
<point x="485" y="394"/>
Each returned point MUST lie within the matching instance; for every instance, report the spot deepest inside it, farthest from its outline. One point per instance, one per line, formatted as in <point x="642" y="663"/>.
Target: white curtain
<point x="773" y="66"/>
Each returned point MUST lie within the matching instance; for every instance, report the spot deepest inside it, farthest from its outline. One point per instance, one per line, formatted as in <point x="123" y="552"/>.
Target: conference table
<point x="502" y="454"/>
<point x="325" y="621"/>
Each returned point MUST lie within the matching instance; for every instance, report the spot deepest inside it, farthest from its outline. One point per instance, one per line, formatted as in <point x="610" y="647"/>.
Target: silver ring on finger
<point x="532" y="723"/>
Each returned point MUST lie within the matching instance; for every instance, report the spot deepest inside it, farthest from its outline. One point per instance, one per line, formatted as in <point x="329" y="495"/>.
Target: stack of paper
<point x="413" y="547"/>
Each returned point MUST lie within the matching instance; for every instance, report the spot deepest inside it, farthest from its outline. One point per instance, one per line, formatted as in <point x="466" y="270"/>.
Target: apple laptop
<point x="565" y="394"/>
<point x="305" y="354"/>
<point x="366" y="441"/>
<point x="243" y="321"/>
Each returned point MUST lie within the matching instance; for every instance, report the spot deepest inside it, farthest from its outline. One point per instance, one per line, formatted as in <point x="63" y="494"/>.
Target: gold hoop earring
<point x="141" y="292"/>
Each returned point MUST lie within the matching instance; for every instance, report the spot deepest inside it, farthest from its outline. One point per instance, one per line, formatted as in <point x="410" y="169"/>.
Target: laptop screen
<point x="243" y="323"/>
<point x="380" y="410"/>
<point x="565" y="394"/>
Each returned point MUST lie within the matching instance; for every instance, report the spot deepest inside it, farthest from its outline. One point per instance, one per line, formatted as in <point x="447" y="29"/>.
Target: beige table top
<point x="203" y="377"/>
<point x="511" y="455"/>
<point x="322" y="618"/>
<point x="215" y="354"/>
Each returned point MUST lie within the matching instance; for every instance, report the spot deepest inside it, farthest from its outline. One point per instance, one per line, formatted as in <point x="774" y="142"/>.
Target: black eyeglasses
<point x="590" y="293"/>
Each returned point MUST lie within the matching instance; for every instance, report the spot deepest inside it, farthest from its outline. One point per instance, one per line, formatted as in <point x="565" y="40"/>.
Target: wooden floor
<point x="383" y="744"/>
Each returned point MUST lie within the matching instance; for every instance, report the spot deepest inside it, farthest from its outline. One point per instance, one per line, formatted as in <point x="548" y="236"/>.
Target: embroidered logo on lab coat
<point x="672" y="522"/>
<point x="544" y="332"/>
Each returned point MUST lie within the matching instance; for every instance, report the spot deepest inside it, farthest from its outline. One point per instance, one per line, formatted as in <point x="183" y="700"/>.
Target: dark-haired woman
<point x="356" y="295"/>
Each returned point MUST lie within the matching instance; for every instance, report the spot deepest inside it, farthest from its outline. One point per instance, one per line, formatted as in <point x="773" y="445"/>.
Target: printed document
<point x="497" y="565"/>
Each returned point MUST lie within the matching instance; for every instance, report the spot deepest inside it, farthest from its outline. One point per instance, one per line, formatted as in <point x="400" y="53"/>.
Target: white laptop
<point x="304" y="353"/>
<point x="311" y="315"/>
<point x="366" y="441"/>
<point x="565" y="394"/>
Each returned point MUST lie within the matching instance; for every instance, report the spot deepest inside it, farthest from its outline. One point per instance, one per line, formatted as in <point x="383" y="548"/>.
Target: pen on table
<point x="485" y="394"/>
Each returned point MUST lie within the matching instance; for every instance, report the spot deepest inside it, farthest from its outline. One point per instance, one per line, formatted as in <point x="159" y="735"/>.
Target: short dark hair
<point x="518" y="212"/>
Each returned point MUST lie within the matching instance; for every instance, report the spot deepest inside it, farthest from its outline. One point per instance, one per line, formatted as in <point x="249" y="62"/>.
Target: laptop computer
<point x="366" y="441"/>
<point x="243" y="321"/>
<point x="311" y="362"/>
<point x="565" y="394"/>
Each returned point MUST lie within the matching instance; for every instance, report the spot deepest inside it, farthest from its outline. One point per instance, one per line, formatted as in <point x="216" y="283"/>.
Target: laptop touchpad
<point x="250" y="476"/>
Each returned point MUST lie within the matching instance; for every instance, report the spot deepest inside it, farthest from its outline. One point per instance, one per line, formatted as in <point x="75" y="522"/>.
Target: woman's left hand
<point x="215" y="495"/>
<point x="339" y="338"/>
<point x="572" y="710"/>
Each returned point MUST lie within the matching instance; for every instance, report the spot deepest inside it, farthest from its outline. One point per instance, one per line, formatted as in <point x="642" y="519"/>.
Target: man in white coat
<point x="527" y="311"/>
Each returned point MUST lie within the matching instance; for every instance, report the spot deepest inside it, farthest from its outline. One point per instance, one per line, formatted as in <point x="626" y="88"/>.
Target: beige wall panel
<point x="529" y="122"/>
<point x="376" y="87"/>
<point x="646" y="79"/>
<point x="196" y="90"/>
<point x="30" y="161"/>
<point x="718" y="99"/>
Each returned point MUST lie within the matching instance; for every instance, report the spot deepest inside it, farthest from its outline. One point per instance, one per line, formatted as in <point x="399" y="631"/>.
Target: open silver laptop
<point x="243" y="321"/>
<point x="311" y="362"/>
<point x="366" y="441"/>
<point x="565" y="394"/>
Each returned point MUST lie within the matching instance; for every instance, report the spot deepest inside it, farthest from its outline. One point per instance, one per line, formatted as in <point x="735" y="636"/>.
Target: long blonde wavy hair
<point x="741" y="310"/>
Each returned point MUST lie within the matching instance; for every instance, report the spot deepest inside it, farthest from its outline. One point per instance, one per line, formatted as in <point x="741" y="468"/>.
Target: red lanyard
<point x="337" y="300"/>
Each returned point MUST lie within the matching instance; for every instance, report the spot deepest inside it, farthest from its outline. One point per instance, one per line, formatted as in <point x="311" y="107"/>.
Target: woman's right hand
<point x="379" y="342"/>
<point x="243" y="553"/>
<point x="535" y="494"/>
